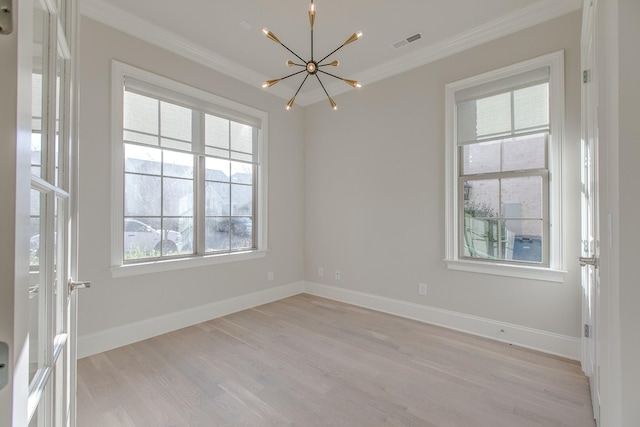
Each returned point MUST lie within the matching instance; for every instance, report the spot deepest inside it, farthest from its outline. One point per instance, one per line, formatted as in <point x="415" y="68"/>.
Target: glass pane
<point x="217" y="236"/>
<point x="144" y="160"/>
<point x="531" y="107"/>
<point x="241" y="173"/>
<point x="479" y="158"/>
<point x="38" y="88"/>
<point x="217" y="199"/>
<point x="178" y="165"/>
<point x="185" y="227"/>
<point x="523" y="240"/>
<point x="142" y="237"/>
<point x="177" y="197"/>
<point x="36" y="291"/>
<point x="140" y="113"/>
<point x="483" y="198"/>
<point x="481" y="237"/>
<point x="59" y="144"/>
<point x="522" y="197"/>
<point x="142" y="195"/>
<point x="241" y="200"/>
<point x="241" y="233"/>
<point x="34" y="228"/>
<point x="525" y="152"/>
<point x="217" y="170"/>
<point x="241" y="138"/>
<point x="175" y="121"/>
<point x="217" y="132"/>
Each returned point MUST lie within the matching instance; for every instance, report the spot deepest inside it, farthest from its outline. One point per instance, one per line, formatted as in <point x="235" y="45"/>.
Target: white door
<point x="40" y="389"/>
<point x="590" y="250"/>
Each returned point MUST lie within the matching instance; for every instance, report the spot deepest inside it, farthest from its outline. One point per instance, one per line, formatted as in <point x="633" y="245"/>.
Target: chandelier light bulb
<point x="352" y="83"/>
<point x="290" y="103"/>
<point x="335" y="63"/>
<point x="290" y="63"/>
<point x="270" y="83"/>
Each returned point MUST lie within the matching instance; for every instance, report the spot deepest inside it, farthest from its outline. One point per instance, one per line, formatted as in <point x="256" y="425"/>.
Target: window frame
<point x="119" y="267"/>
<point x="454" y="213"/>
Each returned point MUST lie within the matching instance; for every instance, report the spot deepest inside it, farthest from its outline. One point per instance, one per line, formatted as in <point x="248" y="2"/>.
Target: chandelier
<point x="312" y="67"/>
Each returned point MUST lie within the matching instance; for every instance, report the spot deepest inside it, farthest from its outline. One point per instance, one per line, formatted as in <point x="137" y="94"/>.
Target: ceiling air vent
<point x="407" y="40"/>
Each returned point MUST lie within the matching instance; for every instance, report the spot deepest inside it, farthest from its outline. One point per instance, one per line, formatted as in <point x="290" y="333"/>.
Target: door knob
<point x="78" y="285"/>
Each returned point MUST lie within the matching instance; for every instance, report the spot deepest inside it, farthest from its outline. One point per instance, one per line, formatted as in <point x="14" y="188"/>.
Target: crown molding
<point x="112" y="16"/>
<point x="529" y="16"/>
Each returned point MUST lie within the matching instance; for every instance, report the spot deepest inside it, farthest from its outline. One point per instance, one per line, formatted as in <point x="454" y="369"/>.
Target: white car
<point x="141" y="237"/>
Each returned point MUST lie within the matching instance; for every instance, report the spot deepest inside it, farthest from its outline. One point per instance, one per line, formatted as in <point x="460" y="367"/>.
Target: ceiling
<point x="227" y="35"/>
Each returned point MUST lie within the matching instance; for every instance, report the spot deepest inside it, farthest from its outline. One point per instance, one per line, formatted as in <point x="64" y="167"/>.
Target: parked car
<point x="141" y="237"/>
<point x="239" y="226"/>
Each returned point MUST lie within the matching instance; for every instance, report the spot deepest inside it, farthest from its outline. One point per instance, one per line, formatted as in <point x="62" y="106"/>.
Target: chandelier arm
<point x="296" y="55"/>
<point x="323" y="88"/>
<point x="292" y="74"/>
<point x="334" y="51"/>
<point x="329" y="74"/>
<point x="301" y="84"/>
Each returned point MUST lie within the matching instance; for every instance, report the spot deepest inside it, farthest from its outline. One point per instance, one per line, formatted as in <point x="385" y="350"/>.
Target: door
<point x="589" y="207"/>
<point x="40" y="386"/>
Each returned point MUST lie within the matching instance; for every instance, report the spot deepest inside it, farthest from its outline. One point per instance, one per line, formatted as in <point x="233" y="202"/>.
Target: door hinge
<point x="586" y="76"/>
<point x="587" y="331"/>
<point x="6" y="17"/>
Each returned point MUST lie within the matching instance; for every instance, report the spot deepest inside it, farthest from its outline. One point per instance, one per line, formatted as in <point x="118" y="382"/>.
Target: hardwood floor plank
<point x="308" y="361"/>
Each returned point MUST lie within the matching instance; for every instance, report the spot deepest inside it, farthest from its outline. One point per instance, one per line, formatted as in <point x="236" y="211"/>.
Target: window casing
<point x="504" y="179"/>
<point x="189" y="173"/>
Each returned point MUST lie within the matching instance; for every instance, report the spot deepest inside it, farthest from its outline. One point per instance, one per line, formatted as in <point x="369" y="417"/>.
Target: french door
<point x="51" y="301"/>
<point x="590" y="251"/>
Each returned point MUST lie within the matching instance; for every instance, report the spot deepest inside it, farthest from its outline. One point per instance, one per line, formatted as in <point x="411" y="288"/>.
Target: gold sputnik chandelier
<point x="312" y="67"/>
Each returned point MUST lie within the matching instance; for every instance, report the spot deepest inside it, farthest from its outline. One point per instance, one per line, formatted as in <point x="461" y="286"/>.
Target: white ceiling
<point x="227" y="35"/>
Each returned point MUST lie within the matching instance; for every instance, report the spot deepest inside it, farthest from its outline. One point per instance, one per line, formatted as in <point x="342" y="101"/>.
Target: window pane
<point x="481" y="237"/>
<point x="241" y="173"/>
<point x="531" y="107"/>
<point x="142" y="195"/>
<point x="216" y="235"/>
<point x="177" y="197"/>
<point x="140" y="113"/>
<point x="144" y="160"/>
<point x="241" y="233"/>
<point x="217" y="199"/>
<point x="241" y="200"/>
<point x="523" y="240"/>
<point x="176" y="121"/>
<point x="141" y="237"/>
<point x="483" y="198"/>
<point x="483" y="157"/>
<point x="217" y="170"/>
<point x="217" y="132"/>
<point x="178" y="165"/>
<point x="241" y="138"/>
<point x="522" y="197"/>
<point x="525" y="152"/>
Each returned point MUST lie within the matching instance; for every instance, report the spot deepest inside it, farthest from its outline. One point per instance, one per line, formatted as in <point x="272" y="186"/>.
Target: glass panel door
<point x="51" y="389"/>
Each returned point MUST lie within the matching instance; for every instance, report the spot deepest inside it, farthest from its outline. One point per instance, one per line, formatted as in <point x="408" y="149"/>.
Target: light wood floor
<point x="308" y="361"/>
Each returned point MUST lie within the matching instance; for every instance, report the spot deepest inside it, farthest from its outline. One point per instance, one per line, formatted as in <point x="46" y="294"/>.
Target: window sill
<point x="183" y="263"/>
<point x="519" y="271"/>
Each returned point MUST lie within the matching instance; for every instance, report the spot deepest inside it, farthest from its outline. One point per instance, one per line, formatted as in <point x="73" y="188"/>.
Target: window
<point x="504" y="178"/>
<point x="191" y="169"/>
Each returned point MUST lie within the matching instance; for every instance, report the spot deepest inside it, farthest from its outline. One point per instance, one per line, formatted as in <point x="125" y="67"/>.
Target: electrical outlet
<point x="270" y="276"/>
<point x="422" y="289"/>
<point x="338" y="275"/>
<point x="320" y="272"/>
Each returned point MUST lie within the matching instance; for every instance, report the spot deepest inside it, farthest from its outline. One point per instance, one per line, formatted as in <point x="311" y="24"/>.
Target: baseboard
<point x="547" y="342"/>
<point x="123" y="335"/>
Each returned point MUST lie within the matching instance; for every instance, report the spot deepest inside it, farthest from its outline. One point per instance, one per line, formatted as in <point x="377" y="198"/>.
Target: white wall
<point x="115" y="303"/>
<point x="629" y="206"/>
<point x="375" y="189"/>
